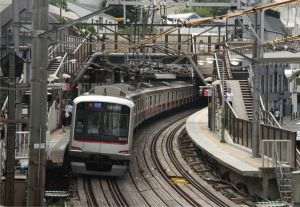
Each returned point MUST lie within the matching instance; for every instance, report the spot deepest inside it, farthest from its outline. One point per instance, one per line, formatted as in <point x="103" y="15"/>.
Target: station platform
<point x="227" y="154"/>
<point x="57" y="143"/>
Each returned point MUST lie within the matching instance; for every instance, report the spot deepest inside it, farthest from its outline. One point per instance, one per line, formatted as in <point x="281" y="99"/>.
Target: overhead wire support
<point x="38" y="107"/>
<point x="9" y="187"/>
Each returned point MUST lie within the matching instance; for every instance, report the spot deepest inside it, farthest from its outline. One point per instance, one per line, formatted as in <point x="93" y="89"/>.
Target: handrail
<point x="268" y="115"/>
<point x="51" y="51"/>
<point x="6" y="99"/>
<point x="297" y="157"/>
<point x="228" y="68"/>
<point x="219" y="73"/>
<point x="232" y="110"/>
<point x="60" y="65"/>
<point x="82" y="42"/>
<point x="262" y="104"/>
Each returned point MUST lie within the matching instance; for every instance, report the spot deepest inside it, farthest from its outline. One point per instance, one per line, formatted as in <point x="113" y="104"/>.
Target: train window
<point x="150" y="101"/>
<point x="101" y="121"/>
<point x="154" y="100"/>
<point x="159" y="98"/>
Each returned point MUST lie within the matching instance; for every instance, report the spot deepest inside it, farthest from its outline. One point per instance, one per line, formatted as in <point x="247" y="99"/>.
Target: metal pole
<point x="258" y="55"/>
<point x="11" y="134"/>
<point x="37" y="155"/>
<point x="124" y="12"/>
<point x="223" y="105"/>
<point x="60" y="11"/>
<point x="9" y="190"/>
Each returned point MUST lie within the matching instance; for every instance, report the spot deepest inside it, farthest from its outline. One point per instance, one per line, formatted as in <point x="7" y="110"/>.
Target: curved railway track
<point x="95" y="192"/>
<point x="179" y="169"/>
<point x="156" y="161"/>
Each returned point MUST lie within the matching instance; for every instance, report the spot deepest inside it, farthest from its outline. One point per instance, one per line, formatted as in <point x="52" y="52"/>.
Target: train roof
<point x="128" y="91"/>
<point x="109" y="99"/>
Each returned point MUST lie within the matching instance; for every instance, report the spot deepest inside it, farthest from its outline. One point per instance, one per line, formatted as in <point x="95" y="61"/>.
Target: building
<point x="83" y="9"/>
<point x="274" y="85"/>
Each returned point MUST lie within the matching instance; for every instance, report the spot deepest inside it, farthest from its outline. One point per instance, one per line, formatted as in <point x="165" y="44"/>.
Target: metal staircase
<point x="247" y="97"/>
<point x="221" y="72"/>
<point x="54" y="64"/>
<point x="284" y="182"/>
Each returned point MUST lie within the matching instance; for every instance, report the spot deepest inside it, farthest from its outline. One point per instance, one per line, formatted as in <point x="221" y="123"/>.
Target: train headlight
<point x="75" y="149"/>
<point x="124" y="152"/>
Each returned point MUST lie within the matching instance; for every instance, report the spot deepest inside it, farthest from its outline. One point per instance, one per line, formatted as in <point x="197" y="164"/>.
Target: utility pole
<point x="9" y="191"/>
<point x="258" y="55"/>
<point x="38" y="118"/>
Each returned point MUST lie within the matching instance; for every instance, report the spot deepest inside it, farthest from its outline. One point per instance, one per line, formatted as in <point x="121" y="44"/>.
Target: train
<point x="104" y="120"/>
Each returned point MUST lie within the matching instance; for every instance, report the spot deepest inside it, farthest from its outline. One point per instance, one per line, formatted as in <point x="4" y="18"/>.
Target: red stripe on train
<point x="103" y="142"/>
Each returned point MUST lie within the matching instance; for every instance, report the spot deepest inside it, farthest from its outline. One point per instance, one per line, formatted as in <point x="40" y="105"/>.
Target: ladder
<point x="283" y="178"/>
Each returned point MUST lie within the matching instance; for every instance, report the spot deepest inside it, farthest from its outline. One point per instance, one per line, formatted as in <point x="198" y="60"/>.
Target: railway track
<point x="179" y="170"/>
<point x="206" y="168"/>
<point x="93" y="192"/>
<point x="155" y="163"/>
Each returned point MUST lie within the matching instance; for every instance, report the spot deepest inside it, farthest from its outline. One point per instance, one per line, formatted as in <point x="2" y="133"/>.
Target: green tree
<point x="207" y="11"/>
<point x="59" y="3"/>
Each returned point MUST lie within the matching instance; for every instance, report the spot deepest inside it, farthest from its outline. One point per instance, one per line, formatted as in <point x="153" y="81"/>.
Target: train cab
<point x="101" y="135"/>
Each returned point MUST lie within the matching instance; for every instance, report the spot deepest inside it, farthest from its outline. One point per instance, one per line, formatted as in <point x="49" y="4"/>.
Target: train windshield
<point x="101" y="121"/>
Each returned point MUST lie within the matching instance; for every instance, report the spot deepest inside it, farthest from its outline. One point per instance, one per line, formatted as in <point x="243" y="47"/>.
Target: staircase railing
<point x="81" y="54"/>
<point x="266" y="116"/>
<point x="60" y="66"/>
<point x="227" y="63"/>
<point x="52" y="51"/>
<point x="4" y="105"/>
<point x="297" y="158"/>
<point x="219" y="72"/>
<point x="2" y="158"/>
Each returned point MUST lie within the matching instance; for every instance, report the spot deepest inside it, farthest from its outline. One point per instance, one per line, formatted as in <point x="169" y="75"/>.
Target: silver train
<point x="105" y="118"/>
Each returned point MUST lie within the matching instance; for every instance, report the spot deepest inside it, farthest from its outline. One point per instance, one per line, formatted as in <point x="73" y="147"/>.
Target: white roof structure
<point x="183" y="15"/>
<point x="67" y="14"/>
<point x="109" y="99"/>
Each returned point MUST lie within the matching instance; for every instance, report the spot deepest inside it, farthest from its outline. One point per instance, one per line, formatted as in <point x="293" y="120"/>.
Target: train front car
<point x="101" y="135"/>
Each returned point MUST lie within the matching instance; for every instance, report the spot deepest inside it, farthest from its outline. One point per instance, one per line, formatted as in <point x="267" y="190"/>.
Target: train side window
<point x="150" y="101"/>
<point x="159" y="99"/>
<point x="168" y="96"/>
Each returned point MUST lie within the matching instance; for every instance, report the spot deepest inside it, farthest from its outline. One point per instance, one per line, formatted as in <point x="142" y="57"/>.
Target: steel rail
<point x="186" y="174"/>
<point x="91" y="199"/>
<point x="116" y="193"/>
<point x="161" y="170"/>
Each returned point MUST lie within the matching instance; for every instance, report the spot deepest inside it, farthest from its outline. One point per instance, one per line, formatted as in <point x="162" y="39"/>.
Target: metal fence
<point x="241" y="132"/>
<point x="239" y="129"/>
<point x="21" y="149"/>
<point x="276" y="153"/>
